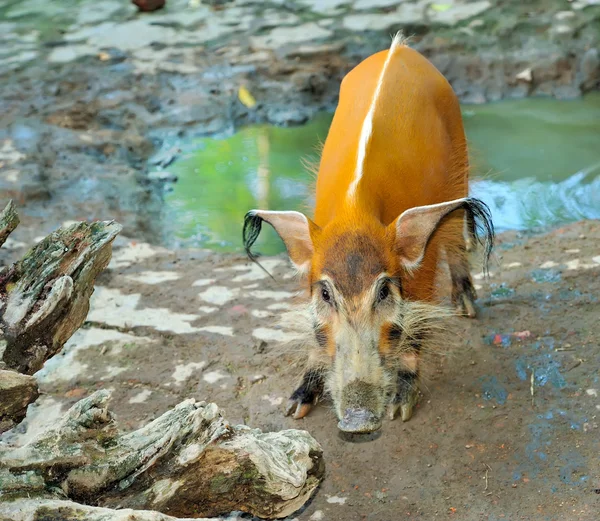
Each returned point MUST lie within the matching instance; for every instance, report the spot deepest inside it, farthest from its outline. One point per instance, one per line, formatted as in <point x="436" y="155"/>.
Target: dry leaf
<point x="246" y="98"/>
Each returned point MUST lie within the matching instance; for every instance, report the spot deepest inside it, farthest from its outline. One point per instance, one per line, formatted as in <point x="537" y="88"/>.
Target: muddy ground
<point x="82" y="124"/>
<point x="95" y="96"/>
<point x="508" y="422"/>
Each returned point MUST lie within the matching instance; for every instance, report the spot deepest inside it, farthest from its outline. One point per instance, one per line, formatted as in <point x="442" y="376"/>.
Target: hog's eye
<point x="325" y="295"/>
<point x="384" y="293"/>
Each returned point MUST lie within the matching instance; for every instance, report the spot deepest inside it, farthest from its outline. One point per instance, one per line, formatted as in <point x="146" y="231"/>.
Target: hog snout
<point x="361" y="407"/>
<point x="359" y="421"/>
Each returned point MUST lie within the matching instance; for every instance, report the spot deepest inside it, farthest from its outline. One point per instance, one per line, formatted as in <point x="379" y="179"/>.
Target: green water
<point x="536" y="163"/>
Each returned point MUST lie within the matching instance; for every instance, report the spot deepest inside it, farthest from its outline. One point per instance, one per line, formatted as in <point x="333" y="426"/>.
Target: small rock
<point x="262" y="347"/>
<point x="280" y="36"/>
<point x="525" y="75"/>
<point x="304" y="51"/>
<point x="165" y="157"/>
<point x="216" y="3"/>
<point x="162" y="176"/>
<point x="288" y="116"/>
<point x="149" y="5"/>
<point x="562" y="30"/>
<point x="564" y="15"/>
<point x="457" y="12"/>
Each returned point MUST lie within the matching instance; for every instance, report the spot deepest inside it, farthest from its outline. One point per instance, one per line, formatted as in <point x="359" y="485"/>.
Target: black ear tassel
<point x="480" y="226"/>
<point x="250" y="233"/>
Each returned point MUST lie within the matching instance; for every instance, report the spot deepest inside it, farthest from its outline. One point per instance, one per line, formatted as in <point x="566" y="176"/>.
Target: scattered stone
<point x="149" y="5"/>
<point x="525" y="75"/>
<point x="457" y="12"/>
<point x="306" y="51"/>
<point x="70" y="53"/>
<point x="325" y="6"/>
<point x="165" y="157"/>
<point x="373" y="4"/>
<point x="162" y="176"/>
<point x="369" y="22"/>
<point x="336" y="500"/>
<point x="289" y="35"/>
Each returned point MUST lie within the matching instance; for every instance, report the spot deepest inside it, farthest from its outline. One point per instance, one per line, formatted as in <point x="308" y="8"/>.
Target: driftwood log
<point x="188" y="463"/>
<point x="44" y="297"/>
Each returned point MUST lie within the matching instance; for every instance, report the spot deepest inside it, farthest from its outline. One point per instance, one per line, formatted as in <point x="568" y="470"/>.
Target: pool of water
<point x="536" y="163"/>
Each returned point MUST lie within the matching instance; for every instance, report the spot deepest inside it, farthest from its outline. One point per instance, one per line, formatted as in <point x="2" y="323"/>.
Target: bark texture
<point x="189" y="462"/>
<point x="44" y="298"/>
<point x="9" y="220"/>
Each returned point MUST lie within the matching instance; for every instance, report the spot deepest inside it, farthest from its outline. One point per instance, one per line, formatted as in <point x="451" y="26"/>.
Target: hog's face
<point x="357" y="310"/>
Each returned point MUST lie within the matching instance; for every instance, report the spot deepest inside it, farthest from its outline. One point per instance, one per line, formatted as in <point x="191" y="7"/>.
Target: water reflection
<point x="535" y="162"/>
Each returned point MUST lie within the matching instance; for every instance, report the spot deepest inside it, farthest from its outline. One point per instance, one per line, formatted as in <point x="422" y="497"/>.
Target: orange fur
<point x="417" y="156"/>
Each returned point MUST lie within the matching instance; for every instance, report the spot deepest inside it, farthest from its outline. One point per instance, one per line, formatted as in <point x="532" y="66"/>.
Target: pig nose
<point x="359" y="421"/>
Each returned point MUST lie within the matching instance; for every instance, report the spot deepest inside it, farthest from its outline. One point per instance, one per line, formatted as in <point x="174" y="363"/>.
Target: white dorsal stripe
<point x="367" y="127"/>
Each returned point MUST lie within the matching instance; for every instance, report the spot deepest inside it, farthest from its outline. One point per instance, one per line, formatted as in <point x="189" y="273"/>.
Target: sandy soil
<point x="166" y="325"/>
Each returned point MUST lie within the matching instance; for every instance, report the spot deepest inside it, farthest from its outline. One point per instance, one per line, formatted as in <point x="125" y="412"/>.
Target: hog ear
<point x="413" y="229"/>
<point x="294" y="228"/>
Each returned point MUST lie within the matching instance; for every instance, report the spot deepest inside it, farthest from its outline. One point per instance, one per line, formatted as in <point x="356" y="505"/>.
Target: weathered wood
<point x="9" y="220"/>
<point x="189" y="462"/>
<point x="17" y="391"/>
<point x="63" y="510"/>
<point x="44" y="298"/>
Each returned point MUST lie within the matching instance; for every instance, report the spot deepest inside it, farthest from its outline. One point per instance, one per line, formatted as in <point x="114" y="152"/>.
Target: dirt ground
<point x="507" y="426"/>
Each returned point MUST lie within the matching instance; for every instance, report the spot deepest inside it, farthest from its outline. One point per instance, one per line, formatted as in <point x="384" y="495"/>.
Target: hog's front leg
<point x="306" y="395"/>
<point x="406" y="395"/>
